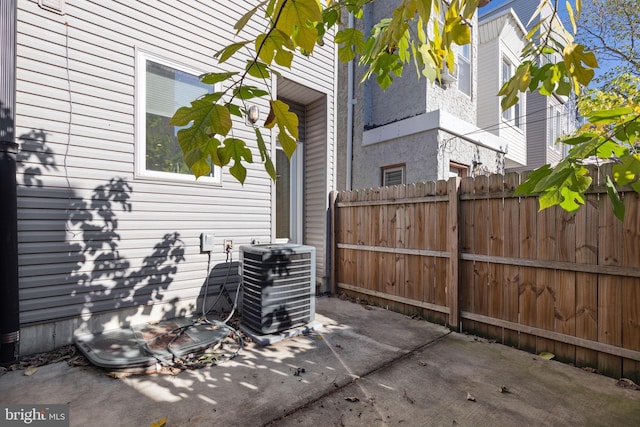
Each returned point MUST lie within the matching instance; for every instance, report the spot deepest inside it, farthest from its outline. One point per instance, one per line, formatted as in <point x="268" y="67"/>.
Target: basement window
<point x="393" y="175"/>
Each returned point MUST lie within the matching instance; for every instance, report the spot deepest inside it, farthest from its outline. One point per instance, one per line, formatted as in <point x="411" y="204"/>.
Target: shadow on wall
<point x="71" y="261"/>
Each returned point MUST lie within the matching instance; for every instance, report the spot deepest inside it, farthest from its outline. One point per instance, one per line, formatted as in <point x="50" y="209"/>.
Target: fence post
<point x="454" y="253"/>
<point x="333" y="243"/>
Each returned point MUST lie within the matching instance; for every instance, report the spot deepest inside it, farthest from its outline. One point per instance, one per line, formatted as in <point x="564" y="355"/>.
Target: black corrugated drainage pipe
<point x="9" y="303"/>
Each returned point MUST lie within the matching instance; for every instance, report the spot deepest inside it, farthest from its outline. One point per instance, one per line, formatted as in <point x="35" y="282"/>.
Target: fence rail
<point x="470" y="254"/>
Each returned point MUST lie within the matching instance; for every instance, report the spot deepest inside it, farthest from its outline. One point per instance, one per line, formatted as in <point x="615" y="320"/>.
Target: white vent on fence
<point x="56" y="6"/>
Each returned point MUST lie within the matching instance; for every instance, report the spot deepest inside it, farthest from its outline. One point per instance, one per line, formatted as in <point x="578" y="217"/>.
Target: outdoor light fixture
<point x="253" y="114"/>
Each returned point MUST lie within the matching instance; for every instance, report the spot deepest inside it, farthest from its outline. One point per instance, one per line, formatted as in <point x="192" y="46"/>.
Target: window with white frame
<point x="464" y="67"/>
<point x="507" y="73"/>
<point x="555" y="127"/>
<point x="163" y="86"/>
<point x="392" y="175"/>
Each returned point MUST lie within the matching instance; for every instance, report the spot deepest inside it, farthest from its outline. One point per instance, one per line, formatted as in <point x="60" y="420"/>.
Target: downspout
<point x="349" y="114"/>
<point x="9" y="303"/>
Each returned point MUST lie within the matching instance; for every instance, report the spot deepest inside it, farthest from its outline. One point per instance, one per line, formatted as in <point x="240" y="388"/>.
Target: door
<point x="289" y="185"/>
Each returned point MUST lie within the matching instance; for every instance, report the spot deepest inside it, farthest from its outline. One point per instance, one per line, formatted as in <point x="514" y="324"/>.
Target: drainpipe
<point x="349" y="114"/>
<point x="9" y="304"/>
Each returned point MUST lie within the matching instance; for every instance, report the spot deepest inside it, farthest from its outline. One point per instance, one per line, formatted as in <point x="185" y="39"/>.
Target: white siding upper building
<point x="502" y="38"/>
<point x="109" y="219"/>
<point x="545" y="118"/>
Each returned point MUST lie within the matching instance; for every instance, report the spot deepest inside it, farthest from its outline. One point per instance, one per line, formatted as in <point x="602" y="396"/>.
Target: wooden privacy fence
<point x="470" y="254"/>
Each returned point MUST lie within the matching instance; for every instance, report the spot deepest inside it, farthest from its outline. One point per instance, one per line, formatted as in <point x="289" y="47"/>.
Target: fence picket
<point x="587" y="283"/>
<point x="495" y="247"/>
<point x="630" y="286"/>
<point x="402" y="247"/>
<point x="511" y="273"/>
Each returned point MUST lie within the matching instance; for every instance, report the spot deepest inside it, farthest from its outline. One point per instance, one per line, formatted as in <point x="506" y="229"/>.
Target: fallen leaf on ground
<point x="119" y="375"/>
<point x="546" y="355"/>
<point x="30" y="371"/>
<point x="160" y="423"/>
<point x="627" y="383"/>
<point x="352" y="399"/>
<point x="470" y="397"/>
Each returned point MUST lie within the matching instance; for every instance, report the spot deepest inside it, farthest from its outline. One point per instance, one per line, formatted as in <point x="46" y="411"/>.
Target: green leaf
<point x="209" y="117"/>
<point x="608" y="116"/>
<point x="579" y="139"/>
<point x="424" y="10"/>
<point x="228" y="51"/>
<point x="275" y="45"/>
<point x="197" y="158"/>
<point x="518" y="83"/>
<point x="534" y="29"/>
<point x="257" y="69"/>
<point x="330" y="16"/>
<point x="574" y="57"/>
<point x="242" y="22"/>
<point x="249" y="92"/>
<point x="264" y="155"/>
<point x="213" y="78"/>
<point x="628" y="170"/>
<point x="618" y="206"/>
<point x="527" y="187"/>
<point x="351" y="41"/>
<point x="235" y="149"/>
<point x="195" y="140"/>
<point x="287" y="123"/>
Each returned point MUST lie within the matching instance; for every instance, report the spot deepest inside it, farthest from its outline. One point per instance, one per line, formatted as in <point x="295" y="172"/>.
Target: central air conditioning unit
<point x="278" y="286"/>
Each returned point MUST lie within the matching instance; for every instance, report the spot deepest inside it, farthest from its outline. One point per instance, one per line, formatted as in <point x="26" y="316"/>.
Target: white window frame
<point x="505" y="63"/>
<point x="461" y="58"/>
<point x="140" y="122"/>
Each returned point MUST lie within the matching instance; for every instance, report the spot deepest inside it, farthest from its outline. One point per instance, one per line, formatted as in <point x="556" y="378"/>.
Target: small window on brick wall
<point x="392" y="175"/>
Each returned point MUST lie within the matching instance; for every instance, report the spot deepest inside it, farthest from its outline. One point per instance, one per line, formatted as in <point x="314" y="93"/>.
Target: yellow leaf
<point x="295" y="18"/>
<point x="160" y="423"/>
<point x="30" y="370"/>
<point x="287" y="123"/>
<point x="546" y="355"/>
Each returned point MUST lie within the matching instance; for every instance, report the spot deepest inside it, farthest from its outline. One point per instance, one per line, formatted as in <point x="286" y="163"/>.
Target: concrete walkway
<point x="366" y="367"/>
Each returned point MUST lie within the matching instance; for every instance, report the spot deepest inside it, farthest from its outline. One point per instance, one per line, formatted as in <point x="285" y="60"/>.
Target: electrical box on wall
<point x="206" y="241"/>
<point x="56" y="6"/>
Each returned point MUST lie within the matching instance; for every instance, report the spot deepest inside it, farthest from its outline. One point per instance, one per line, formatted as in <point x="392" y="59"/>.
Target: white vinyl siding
<point x="97" y="242"/>
<point x="501" y="39"/>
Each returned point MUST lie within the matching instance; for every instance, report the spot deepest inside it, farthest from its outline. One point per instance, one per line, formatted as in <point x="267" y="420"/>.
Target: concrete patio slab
<point x="367" y="366"/>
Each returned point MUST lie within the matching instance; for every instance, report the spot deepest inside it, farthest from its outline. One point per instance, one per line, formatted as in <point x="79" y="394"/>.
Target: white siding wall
<point x="93" y="236"/>
<point x="489" y="85"/>
<point x="536" y="130"/>
<point x="500" y="38"/>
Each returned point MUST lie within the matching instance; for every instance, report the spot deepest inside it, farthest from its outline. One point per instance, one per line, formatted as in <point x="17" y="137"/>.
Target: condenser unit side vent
<point x="278" y="286"/>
